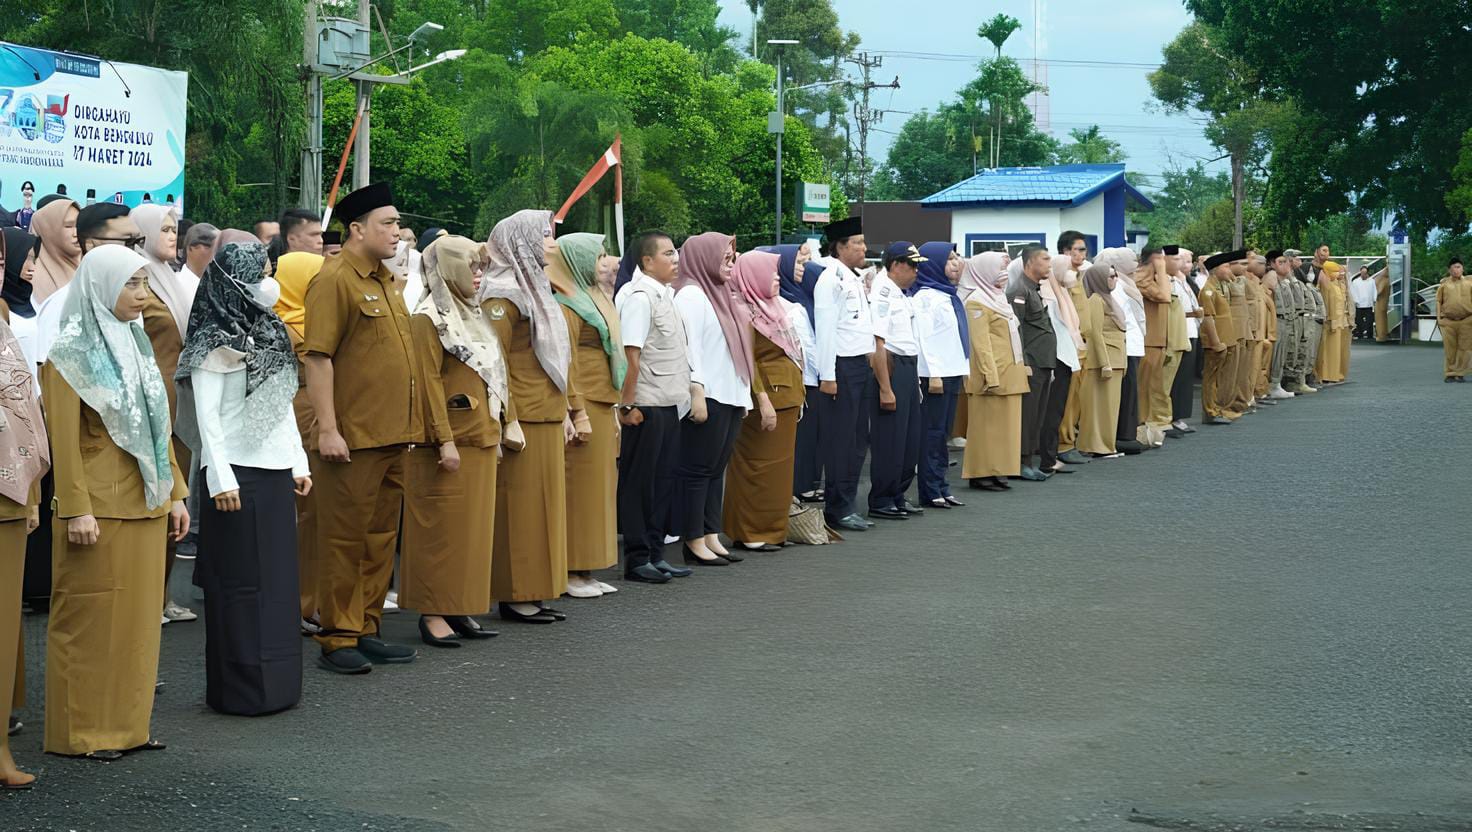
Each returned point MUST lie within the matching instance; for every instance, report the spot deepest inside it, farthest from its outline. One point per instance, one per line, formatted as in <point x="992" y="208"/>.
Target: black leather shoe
<point x="953" y="502"/>
<point x="468" y="627"/>
<point x="509" y="613"/>
<point x="1074" y="457"/>
<point x="672" y="570"/>
<point x="646" y="574"/>
<point x="888" y="513"/>
<point x="14" y="727"/>
<point x="1215" y="420"/>
<point x="731" y="556"/>
<point x="1175" y="434"/>
<point x="436" y="641"/>
<point x="557" y="615"/>
<point x="693" y="559"/>
<point x="986" y="484"/>
<point x="909" y="508"/>
<point x="345" y="660"/>
<point x="849" y="524"/>
<point x="379" y="651"/>
<point x="940" y="502"/>
<point x="1129" y="447"/>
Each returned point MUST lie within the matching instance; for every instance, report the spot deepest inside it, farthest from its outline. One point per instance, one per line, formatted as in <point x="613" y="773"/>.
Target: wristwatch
<point x="627" y="408"/>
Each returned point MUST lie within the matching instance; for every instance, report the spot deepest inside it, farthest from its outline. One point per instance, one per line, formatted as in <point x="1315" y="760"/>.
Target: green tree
<point x="998" y="30"/>
<point x="1459" y="198"/>
<point x="1090" y="146"/>
<point x="932" y="151"/>
<point x="1380" y="96"/>
<point x="1183" y="197"/>
<point x="1202" y="70"/>
<point x="522" y="28"/>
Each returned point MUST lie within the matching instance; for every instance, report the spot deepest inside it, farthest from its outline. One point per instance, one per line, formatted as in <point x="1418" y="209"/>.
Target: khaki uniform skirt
<point x="102" y="642"/>
<point x="529" y="561"/>
<point x="1099" y="412"/>
<point x="993" y="437"/>
<point x="592" y="488"/>
<point x="757" y="501"/>
<point x="12" y="660"/>
<point x="445" y="568"/>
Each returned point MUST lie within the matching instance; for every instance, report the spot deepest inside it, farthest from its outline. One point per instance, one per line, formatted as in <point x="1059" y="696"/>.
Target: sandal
<point x="151" y="745"/>
<point x="6" y="785"/>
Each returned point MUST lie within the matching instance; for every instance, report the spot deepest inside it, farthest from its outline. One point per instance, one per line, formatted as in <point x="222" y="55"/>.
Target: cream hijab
<point x="174" y="289"/>
<point x="60" y="253"/>
<point x="462" y="327"/>
<point x="986" y="272"/>
<point x="1057" y="285"/>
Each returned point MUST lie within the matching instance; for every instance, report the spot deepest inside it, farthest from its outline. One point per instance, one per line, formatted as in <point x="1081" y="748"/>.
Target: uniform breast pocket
<point x="851" y="306"/>
<point x="375" y="319"/>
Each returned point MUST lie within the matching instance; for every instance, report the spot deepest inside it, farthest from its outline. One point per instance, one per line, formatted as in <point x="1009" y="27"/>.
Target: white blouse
<point x="219" y="406"/>
<point x="1189" y="304"/>
<point x="797" y="315"/>
<point x="710" y="360"/>
<point x="941" y="353"/>
<point x="1134" y="318"/>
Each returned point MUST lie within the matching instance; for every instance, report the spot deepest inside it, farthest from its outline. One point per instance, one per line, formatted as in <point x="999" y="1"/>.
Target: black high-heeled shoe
<point x="468" y="627"/>
<point x="509" y="613"/>
<point x="693" y="559"/>
<point x="557" y="615"/>
<point x="433" y="640"/>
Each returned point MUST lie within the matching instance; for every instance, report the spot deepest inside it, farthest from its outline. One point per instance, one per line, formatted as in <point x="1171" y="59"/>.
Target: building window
<point x="1008" y="241"/>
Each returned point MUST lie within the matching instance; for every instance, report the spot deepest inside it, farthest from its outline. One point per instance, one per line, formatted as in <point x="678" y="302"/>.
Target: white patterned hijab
<point x="110" y="364"/>
<point x="518" y="273"/>
<point x="450" y="304"/>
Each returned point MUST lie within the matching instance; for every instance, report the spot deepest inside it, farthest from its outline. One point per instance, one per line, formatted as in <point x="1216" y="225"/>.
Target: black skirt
<point x="247" y="567"/>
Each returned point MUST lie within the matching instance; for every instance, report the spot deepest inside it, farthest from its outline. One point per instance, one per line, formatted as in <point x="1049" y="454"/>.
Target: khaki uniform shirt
<point x="357" y="318"/>
<point x="1216" y="308"/>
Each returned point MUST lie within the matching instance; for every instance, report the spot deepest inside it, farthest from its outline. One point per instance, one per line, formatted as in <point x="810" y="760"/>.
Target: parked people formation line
<point x="479" y="423"/>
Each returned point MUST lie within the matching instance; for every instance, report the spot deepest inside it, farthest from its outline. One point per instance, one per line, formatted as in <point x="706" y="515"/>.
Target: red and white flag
<point x="611" y="158"/>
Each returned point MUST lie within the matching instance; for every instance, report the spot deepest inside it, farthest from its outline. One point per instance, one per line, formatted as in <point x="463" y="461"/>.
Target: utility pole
<point x="311" y="175"/>
<point x="361" y="161"/>
<point x="776" y="123"/>
<point x="866" y="116"/>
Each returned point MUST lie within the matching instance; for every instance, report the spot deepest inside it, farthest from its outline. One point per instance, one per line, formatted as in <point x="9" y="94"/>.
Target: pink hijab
<point x="25" y="454"/>
<point x="991" y="262"/>
<point x="1058" y="282"/>
<point x="700" y="265"/>
<point x="755" y="275"/>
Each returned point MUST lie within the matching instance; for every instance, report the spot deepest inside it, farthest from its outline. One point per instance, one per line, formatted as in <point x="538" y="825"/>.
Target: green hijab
<point x="581" y="251"/>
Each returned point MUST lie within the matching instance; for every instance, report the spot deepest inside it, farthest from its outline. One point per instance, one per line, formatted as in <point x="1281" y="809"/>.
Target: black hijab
<point x="17" y="292"/>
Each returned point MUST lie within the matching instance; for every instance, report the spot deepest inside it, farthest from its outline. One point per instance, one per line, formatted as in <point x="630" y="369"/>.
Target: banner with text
<point x="85" y="124"/>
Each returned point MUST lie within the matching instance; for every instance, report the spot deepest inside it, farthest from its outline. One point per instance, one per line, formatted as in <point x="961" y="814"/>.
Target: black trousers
<point x="1034" y="403"/>
<point x="247" y="567"/>
<point x="1183" y="389"/>
<point x="807" y="467"/>
<point x="894" y="435"/>
<point x="1052" y="416"/>
<point x="1364" y="322"/>
<point x="1129" y="403"/>
<point x="939" y="411"/>
<point x="700" y="474"/>
<point x="646" y="462"/>
<point x="844" y="438"/>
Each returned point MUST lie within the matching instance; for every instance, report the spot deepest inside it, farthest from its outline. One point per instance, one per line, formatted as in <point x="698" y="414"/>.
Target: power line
<point x="956" y="57"/>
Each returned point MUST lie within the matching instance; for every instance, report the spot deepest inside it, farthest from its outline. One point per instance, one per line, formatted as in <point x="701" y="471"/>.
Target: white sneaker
<point x="1279" y="393"/>
<point x="174" y="612"/>
<point x="580" y="587"/>
<point x="165" y="618"/>
<point x="957" y="442"/>
<point x="606" y="589"/>
<point x="391" y="603"/>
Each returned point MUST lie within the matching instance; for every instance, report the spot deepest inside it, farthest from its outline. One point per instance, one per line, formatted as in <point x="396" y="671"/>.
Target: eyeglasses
<point x="136" y="283"/>
<point x="130" y="242"/>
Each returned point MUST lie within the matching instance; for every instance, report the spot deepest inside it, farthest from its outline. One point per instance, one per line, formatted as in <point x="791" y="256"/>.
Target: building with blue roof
<point x="1004" y="207"/>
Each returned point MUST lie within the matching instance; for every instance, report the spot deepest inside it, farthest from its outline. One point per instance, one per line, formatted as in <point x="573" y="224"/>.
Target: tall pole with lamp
<point x="777" y="123"/>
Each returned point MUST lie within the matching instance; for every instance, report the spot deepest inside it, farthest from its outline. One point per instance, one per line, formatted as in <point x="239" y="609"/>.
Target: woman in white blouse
<point x="237" y="378"/>
<point x="719" y="340"/>
<point x="945" y="355"/>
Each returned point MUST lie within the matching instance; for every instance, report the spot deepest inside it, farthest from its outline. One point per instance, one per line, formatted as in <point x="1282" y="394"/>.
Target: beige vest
<point x="664" y="367"/>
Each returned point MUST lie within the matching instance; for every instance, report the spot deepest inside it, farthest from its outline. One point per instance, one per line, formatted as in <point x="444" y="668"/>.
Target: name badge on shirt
<point x="1020" y="301"/>
<point x="370" y="298"/>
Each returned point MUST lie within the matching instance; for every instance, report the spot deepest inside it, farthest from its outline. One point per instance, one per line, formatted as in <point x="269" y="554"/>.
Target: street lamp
<point x="776" y="123"/>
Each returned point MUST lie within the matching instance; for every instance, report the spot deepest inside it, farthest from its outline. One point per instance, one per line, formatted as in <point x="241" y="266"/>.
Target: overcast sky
<point x="1114" y="97"/>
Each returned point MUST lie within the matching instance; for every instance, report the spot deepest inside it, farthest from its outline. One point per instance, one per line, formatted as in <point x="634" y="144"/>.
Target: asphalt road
<point x="1262" y="626"/>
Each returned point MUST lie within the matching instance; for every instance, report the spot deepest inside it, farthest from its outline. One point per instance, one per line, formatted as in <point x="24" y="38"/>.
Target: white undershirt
<point x="48" y="322"/>
<point x="797" y="315"/>
<point x="1189" y="304"/>
<point x="1134" y="318"/>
